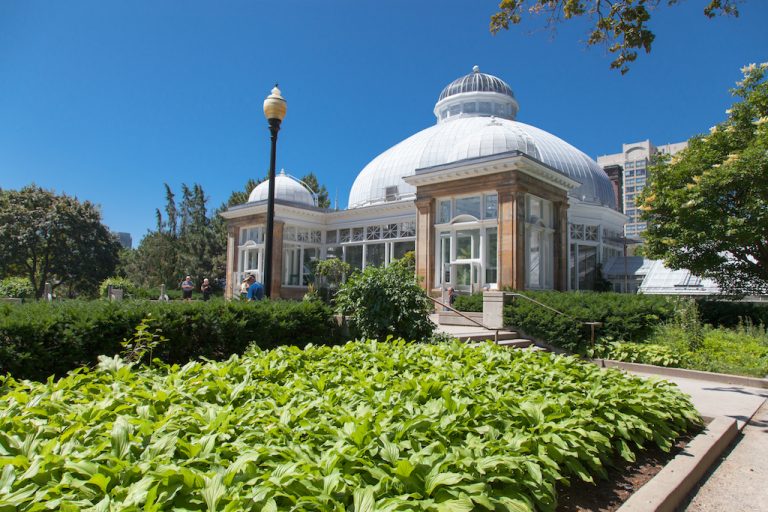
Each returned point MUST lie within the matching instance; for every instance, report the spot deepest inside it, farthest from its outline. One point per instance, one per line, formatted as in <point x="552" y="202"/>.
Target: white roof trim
<point x="493" y="164"/>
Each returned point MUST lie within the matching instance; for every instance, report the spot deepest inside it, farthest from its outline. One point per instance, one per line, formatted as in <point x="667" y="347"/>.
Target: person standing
<point x="186" y="288"/>
<point x="244" y="287"/>
<point x="207" y="289"/>
<point x="255" y="289"/>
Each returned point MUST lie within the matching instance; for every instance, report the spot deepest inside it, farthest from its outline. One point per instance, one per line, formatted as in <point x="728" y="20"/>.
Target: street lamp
<point x="275" y="108"/>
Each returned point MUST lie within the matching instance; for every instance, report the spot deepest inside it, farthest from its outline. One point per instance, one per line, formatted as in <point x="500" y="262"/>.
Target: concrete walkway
<point x="739" y="481"/>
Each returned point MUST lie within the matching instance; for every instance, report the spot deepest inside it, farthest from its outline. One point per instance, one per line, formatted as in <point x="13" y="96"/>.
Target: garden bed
<point x="407" y="426"/>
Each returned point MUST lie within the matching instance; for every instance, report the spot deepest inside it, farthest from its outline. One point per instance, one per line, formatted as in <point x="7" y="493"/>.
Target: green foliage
<point x="624" y="317"/>
<point x="54" y="238"/>
<point x="620" y="25"/>
<point x="116" y="282"/>
<point x="365" y="426"/>
<point x="17" y="288"/>
<point x="323" y="201"/>
<point x="471" y="303"/>
<point x="739" y="351"/>
<point x="187" y="241"/>
<point x="332" y="271"/>
<point x="657" y="355"/>
<point x="143" y="342"/>
<point x="41" y="339"/>
<point x="688" y="319"/>
<point x="386" y="301"/>
<point x="706" y="207"/>
<point x="732" y="313"/>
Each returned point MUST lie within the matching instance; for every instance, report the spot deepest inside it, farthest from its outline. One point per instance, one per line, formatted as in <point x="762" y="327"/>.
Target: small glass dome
<point x="476" y="82"/>
<point x="287" y="188"/>
<point x="476" y="95"/>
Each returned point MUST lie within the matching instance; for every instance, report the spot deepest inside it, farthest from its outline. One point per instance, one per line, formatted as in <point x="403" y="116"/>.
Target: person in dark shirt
<point x="206" y="288"/>
<point x="186" y="288"/>
<point x="255" y="289"/>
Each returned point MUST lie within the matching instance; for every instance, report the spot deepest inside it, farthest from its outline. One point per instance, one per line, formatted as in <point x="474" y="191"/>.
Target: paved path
<point x="740" y="480"/>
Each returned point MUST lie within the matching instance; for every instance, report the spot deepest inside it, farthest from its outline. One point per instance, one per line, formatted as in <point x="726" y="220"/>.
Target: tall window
<point x="540" y="241"/>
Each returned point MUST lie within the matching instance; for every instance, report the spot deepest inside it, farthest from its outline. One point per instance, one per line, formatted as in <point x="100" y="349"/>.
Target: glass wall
<point x="539" y="226"/>
<point x="372" y="245"/>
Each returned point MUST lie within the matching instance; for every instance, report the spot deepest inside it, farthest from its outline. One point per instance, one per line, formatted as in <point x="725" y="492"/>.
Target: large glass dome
<point x="470" y="133"/>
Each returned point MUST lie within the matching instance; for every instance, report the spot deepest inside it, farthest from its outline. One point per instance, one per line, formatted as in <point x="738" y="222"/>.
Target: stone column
<point x="233" y="234"/>
<point x="511" y="238"/>
<point x="425" y="241"/>
<point x="277" y="257"/>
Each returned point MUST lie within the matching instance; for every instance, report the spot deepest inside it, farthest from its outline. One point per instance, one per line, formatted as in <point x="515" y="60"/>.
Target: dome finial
<point x="475" y="68"/>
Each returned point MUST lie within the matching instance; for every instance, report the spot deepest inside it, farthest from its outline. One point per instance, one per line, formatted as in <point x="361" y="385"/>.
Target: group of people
<point x="250" y="289"/>
<point x="188" y="286"/>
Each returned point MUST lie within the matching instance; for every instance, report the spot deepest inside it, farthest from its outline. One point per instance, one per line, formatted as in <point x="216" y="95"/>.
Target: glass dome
<point x="476" y="82"/>
<point x="475" y="118"/>
<point x="287" y="188"/>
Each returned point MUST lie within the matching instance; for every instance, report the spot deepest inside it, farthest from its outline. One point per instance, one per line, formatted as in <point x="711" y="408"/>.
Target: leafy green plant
<point x="16" y="288"/>
<point x="386" y="301"/>
<point x="385" y="426"/>
<point x="658" y="355"/>
<point x="143" y="341"/>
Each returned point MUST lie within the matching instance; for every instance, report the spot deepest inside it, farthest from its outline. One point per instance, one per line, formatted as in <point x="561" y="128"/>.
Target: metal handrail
<point x="451" y="308"/>
<point x="592" y="325"/>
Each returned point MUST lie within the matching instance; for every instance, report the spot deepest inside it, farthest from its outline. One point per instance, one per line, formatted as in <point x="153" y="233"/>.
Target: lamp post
<point x="275" y="108"/>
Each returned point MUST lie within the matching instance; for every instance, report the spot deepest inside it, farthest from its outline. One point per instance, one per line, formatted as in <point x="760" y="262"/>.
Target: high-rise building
<point x="125" y="239"/>
<point x="628" y="171"/>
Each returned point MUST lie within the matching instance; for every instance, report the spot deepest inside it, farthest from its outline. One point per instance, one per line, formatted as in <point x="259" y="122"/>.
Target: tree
<point x="707" y="207"/>
<point x="322" y="193"/>
<point x="187" y="241"/>
<point x="621" y="25"/>
<point x="53" y="238"/>
<point x="241" y="196"/>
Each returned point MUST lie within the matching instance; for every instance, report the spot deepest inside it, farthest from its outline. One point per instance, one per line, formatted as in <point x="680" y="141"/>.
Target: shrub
<point x="116" y="282"/>
<point x="386" y="301"/>
<point x="625" y="317"/>
<point x="41" y="339"/>
<point x="722" y="313"/>
<point x="740" y="351"/>
<point x="365" y="426"/>
<point x="470" y="303"/>
<point x="16" y="288"/>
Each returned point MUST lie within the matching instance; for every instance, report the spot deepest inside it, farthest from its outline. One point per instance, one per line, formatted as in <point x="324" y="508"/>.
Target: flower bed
<point x="402" y="426"/>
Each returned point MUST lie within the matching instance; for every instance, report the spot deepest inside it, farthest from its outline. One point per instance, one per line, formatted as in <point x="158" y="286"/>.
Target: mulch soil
<point x="623" y="480"/>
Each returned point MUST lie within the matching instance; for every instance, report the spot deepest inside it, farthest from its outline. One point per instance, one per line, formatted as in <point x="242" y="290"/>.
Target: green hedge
<point x="720" y="313"/>
<point x="625" y="317"/>
<point x="472" y="303"/>
<point x="42" y="339"/>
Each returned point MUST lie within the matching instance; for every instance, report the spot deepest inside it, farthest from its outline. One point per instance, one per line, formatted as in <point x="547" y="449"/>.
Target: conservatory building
<point x="484" y="200"/>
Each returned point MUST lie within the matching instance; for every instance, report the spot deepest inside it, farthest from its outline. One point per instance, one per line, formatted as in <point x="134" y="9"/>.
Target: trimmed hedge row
<point x="42" y="339"/>
<point x="624" y="317"/>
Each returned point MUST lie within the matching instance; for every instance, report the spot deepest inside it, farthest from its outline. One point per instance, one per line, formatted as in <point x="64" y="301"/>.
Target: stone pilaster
<point x="511" y="238"/>
<point x="425" y="241"/>
<point x="233" y="234"/>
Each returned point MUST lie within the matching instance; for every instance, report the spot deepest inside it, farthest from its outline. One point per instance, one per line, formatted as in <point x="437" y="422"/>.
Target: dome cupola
<point x="287" y="188"/>
<point x="476" y="95"/>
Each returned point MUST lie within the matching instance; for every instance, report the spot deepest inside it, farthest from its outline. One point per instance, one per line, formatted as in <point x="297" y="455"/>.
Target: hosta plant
<point x="361" y="427"/>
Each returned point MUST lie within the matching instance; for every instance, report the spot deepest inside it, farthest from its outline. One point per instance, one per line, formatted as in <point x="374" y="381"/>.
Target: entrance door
<point x="466" y="264"/>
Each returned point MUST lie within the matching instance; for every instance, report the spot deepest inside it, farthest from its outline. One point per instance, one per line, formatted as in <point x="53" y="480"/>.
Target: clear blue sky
<point x="109" y="100"/>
